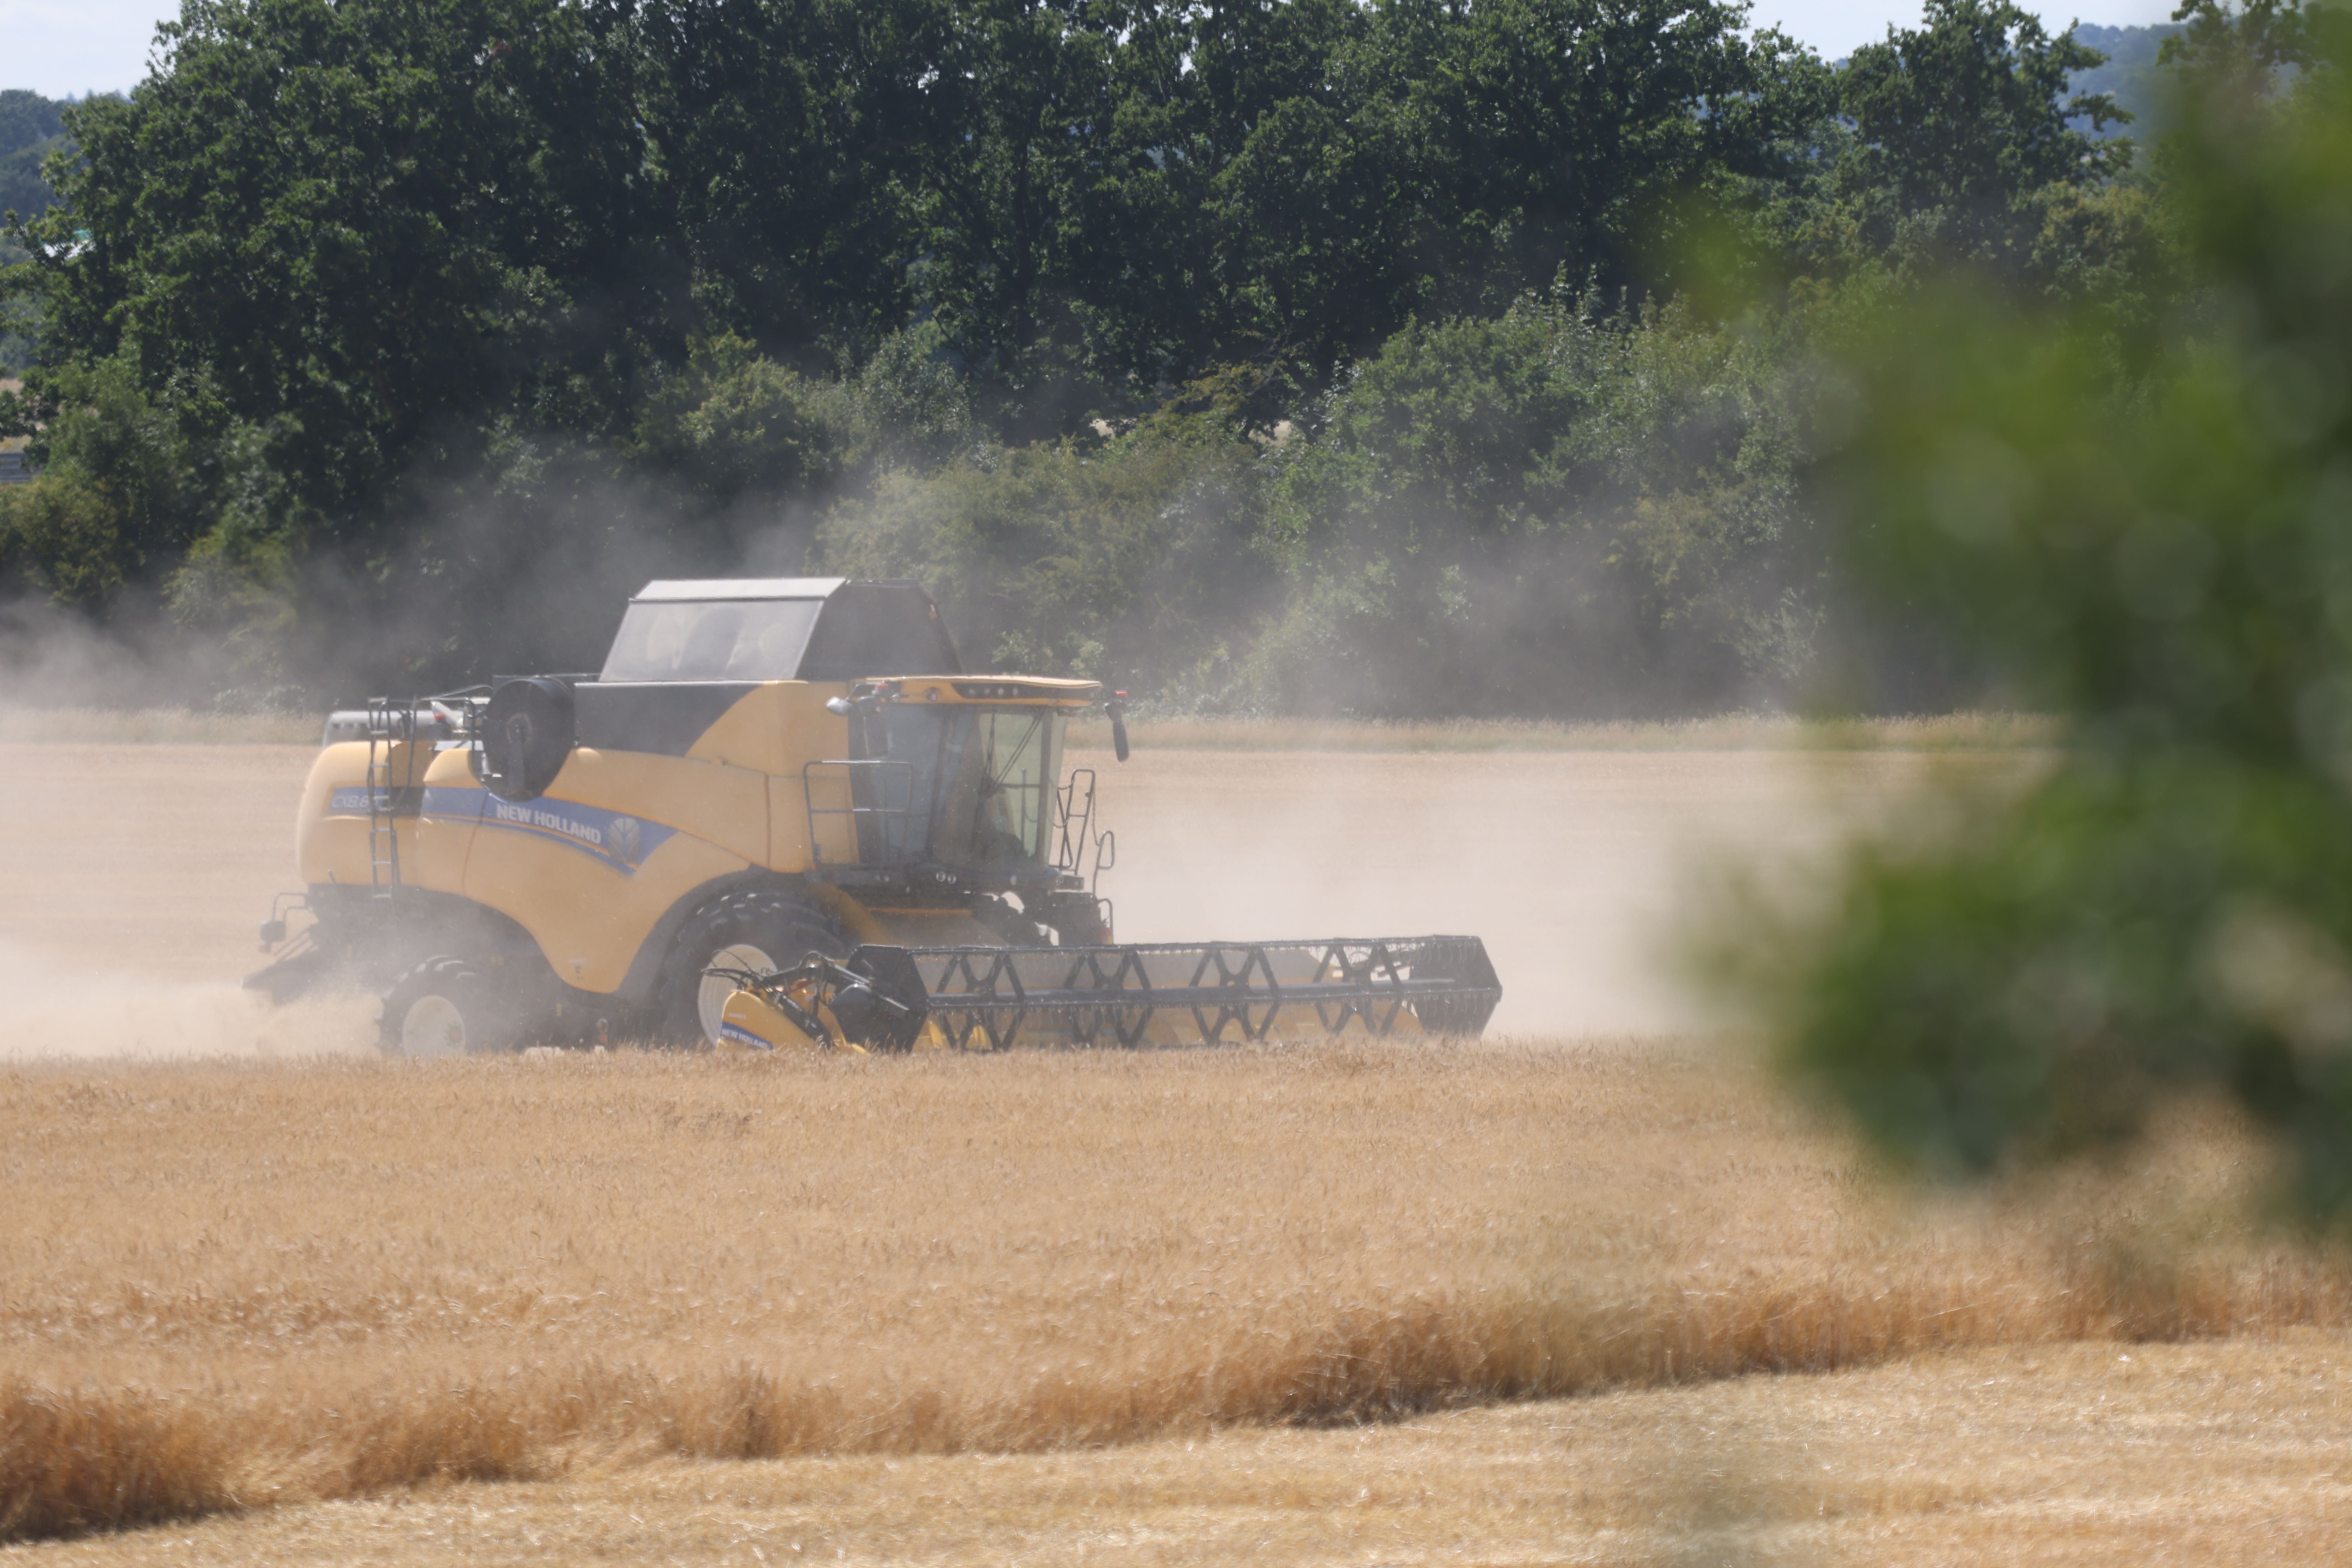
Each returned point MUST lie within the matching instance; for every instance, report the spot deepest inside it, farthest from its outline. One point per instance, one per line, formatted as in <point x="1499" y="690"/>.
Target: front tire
<point x="757" y="931"/>
<point x="444" y="1007"/>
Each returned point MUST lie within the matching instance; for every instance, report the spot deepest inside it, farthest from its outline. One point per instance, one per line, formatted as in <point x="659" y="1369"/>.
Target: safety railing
<point x="1079" y="849"/>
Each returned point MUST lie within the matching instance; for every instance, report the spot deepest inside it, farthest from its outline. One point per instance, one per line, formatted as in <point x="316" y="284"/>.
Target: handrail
<point x="1071" y="847"/>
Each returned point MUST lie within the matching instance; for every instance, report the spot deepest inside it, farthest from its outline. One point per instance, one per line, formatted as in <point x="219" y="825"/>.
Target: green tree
<point x="1119" y="197"/>
<point x="734" y="425"/>
<point x="1017" y="113"/>
<point x="2238" y="57"/>
<point x="2167" y="565"/>
<point x="1459" y="156"/>
<point x="118" y="499"/>
<point x="31" y="129"/>
<point x="1960" y="124"/>
<point x="1088" y="557"/>
<point x="370" y="229"/>
<point x="1556" y="511"/>
<point x="783" y="140"/>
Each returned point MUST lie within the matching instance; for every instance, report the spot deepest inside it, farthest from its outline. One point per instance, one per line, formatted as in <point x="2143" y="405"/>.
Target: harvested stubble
<point x="228" y="1285"/>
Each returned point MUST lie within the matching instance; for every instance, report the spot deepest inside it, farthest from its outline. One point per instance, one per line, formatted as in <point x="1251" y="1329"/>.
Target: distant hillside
<point x="30" y="129"/>
<point x="2130" y="73"/>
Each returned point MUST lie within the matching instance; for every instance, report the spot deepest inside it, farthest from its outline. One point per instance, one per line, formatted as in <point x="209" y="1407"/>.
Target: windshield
<point x="977" y="784"/>
<point x="716" y="640"/>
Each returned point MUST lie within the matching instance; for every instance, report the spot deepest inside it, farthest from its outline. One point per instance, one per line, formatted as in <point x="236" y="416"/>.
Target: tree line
<point x="1418" y="356"/>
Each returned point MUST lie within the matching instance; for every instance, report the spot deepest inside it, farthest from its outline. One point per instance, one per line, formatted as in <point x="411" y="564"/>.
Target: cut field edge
<point x="1962" y="732"/>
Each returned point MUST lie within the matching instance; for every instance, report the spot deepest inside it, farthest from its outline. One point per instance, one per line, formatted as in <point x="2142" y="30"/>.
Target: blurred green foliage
<point x="2166" y="560"/>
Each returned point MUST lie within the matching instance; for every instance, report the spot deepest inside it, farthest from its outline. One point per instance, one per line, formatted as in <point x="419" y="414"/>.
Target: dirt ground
<point x="127" y="866"/>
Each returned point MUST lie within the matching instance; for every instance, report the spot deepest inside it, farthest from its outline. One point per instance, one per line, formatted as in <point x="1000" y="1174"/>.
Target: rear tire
<point x="444" y="1007"/>
<point x="758" y="929"/>
<point x="1462" y="1017"/>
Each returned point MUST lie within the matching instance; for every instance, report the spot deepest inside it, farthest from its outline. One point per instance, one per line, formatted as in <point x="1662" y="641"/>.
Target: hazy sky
<point x="62" y="47"/>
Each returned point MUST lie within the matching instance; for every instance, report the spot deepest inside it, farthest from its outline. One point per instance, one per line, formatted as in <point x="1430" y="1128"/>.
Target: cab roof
<point x="673" y="589"/>
<point x="777" y="629"/>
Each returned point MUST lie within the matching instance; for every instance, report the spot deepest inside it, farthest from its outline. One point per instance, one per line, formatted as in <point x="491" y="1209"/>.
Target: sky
<point x="69" y="48"/>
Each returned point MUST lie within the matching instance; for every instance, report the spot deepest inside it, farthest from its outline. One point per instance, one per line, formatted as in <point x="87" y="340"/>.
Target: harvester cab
<point x="782" y="815"/>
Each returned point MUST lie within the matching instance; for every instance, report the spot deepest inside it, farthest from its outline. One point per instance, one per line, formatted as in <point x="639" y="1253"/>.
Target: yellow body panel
<point x="590" y="867"/>
<point x="857" y="923"/>
<point x="776" y="728"/>
<point x="331" y="833"/>
<point x="558" y="872"/>
<point x="718" y="803"/>
<point x="588" y="916"/>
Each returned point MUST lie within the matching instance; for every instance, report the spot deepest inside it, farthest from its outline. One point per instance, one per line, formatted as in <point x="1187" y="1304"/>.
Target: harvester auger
<point x="739" y="833"/>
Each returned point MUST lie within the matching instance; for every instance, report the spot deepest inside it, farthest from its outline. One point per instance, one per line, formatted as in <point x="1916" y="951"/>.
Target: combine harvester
<point x="746" y="831"/>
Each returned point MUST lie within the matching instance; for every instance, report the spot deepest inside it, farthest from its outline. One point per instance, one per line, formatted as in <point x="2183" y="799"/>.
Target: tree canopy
<point x="689" y="281"/>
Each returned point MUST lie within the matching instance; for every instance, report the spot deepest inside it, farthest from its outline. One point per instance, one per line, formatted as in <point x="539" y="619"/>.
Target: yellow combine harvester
<point x="782" y="815"/>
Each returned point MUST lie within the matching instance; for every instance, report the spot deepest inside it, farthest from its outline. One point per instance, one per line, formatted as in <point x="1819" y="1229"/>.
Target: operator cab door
<point x="958" y="785"/>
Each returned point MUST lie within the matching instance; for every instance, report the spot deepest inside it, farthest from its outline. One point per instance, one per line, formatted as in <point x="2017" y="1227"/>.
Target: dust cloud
<point x="132" y="880"/>
<point x="1576" y="868"/>
<point x="135" y="875"/>
<point x="51" y="1011"/>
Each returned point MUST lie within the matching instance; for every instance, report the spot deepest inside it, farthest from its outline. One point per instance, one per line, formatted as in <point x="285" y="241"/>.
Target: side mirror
<point x="272" y="933"/>
<point x="1118" y="711"/>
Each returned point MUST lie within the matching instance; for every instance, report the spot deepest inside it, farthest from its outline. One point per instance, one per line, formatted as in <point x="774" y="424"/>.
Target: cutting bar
<point x="1141" y="994"/>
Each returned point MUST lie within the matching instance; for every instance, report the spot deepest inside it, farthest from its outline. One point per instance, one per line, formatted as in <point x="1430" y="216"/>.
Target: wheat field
<point x="232" y="1285"/>
<point x="2085" y="1456"/>
<point x="266" y="1299"/>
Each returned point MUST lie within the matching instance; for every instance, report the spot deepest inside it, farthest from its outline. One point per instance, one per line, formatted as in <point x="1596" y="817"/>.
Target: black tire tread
<point x="488" y="1025"/>
<point x="760" y="914"/>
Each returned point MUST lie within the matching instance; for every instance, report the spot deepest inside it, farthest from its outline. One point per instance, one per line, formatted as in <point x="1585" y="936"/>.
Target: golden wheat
<point x="232" y="1285"/>
<point x="2218" y="1452"/>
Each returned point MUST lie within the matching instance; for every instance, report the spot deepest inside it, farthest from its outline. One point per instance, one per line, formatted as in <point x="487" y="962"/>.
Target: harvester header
<point x="782" y="813"/>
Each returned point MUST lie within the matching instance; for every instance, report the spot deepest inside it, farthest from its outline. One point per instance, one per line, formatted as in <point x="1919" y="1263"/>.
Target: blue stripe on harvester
<point x="614" y="837"/>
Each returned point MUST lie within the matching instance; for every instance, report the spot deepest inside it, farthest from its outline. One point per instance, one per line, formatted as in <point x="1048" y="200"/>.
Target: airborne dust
<point x="136" y="874"/>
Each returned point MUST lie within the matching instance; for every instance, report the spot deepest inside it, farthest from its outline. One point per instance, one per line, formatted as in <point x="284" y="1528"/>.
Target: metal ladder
<point x="383" y="838"/>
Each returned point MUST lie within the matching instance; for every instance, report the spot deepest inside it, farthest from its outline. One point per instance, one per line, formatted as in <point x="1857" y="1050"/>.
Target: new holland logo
<point x="616" y="838"/>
